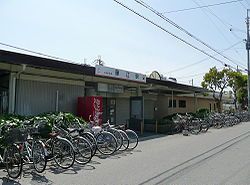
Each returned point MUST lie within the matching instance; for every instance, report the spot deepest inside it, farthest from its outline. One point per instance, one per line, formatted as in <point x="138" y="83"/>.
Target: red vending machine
<point x="90" y="105"/>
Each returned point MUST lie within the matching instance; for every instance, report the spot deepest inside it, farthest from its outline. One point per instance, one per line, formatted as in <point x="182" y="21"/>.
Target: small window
<point x="170" y="103"/>
<point x="214" y="106"/>
<point x="182" y="103"/>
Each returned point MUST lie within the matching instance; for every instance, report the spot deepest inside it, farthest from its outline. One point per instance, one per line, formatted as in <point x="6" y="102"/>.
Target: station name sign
<point x="120" y="74"/>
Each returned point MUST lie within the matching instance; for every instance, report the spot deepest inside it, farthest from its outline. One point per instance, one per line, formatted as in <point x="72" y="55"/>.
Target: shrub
<point x="202" y="113"/>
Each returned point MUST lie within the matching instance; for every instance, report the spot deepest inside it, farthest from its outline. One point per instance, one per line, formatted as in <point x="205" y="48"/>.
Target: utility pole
<point x="248" y="63"/>
<point x="191" y="81"/>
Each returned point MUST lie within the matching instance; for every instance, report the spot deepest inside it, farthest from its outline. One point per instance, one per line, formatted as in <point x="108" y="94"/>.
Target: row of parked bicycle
<point x="36" y="142"/>
<point x="189" y="124"/>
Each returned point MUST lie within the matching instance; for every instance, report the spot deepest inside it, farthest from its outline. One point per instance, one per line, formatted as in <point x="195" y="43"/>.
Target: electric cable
<point x="244" y="6"/>
<point x="247" y="2"/>
<point x="198" y="74"/>
<point x="226" y="24"/>
<point x="193" y="8"/>
<point x="163" y="29"/>
<point x="180" y="28"/>
<point x="190" y="65"/>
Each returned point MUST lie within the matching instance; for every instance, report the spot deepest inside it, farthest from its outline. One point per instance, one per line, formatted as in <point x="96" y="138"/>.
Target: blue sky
<point x="78" y="30"/>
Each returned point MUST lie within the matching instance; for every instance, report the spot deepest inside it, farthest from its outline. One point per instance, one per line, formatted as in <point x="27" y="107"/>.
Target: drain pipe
<point x="15" y="87"/>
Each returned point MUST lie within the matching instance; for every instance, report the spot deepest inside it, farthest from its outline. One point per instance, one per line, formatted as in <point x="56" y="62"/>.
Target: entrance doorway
<point x="109" y="110"/>
<point x="136" y="112"/>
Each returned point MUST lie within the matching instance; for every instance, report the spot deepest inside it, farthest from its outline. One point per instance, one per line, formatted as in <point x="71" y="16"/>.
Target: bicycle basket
<point x="44" y="129"/>
<point x="15" y="135"/>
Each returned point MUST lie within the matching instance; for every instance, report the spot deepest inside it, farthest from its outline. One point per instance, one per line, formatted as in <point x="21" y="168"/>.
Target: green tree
<point x="216" y="81"/>
<point x="242" y="92"/>
<point x="236" y="82"/>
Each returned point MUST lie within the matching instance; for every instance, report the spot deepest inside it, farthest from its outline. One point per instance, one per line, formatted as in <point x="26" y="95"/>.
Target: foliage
<point x="201" y="113"/>
<point x="205" y="94"/>
<point x="43" y="122"/>
<point x="242" y="97"/>
<point x="237" y="82"/>
<point x="242" y="92"/>
<point x="216" y="81"/>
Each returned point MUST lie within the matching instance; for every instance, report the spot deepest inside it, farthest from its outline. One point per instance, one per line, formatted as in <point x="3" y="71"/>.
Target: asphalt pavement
<point x="220" y="156"/>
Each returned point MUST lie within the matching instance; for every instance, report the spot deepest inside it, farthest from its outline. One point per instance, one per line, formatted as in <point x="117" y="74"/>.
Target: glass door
<point x="111" y="107"/>
<point x="136" y="113"/>
<point x="109" y="110"/>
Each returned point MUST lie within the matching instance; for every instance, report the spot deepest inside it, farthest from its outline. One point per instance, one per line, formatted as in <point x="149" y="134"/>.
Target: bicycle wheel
<point x="118" y="137"/>
<point x="194" y="127"/>
<point x="106" y="143"/>
<point x="13" y="161"/>
<point x="39" y="156"/>
<point x="63" y="152"/>
<point x="83" y="151"/>
<point x="177" y="128"/>
<point x="133" y="139"/>
<point x="125" y="140"/>
<point x="218" y="124"/>
<point x="91" y="138"/>
<point x="204" y="126"/>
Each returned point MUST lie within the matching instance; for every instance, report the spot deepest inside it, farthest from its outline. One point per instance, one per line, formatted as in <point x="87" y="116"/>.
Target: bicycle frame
<point x="26" y="151"/>
<point x="2" y="158"/>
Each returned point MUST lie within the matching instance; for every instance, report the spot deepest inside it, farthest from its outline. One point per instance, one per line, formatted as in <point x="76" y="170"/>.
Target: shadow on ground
<point x="7" y="181"/>
<point x="150" y="135"/>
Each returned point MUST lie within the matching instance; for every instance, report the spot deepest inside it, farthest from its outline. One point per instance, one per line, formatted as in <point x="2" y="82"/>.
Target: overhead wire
<point x="230" y="28"/>
<point x="226" y="25"/>
<point x="222" y="21"/>
<point x="181" y="28"/>
<point x="244" y="6"/>
<point x="205" y="6"/>
<point x="170" y="33"/>
<point x="194" y="75"/>
<point x="247" y="2"/>
<point x="215" y="25"/>
<point x="200" y="61"/>
<point x="193" y="8"/>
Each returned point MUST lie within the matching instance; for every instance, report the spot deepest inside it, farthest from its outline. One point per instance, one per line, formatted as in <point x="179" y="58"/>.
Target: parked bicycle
<point x="58" y="148"/>
<point x="132" y="136"/>
<point x="106" y="142"/>
<point x="82" y="147"/>
<point x="187" y="124"/>
<point x="11" y="156"/>
<point x="32" y="148"/>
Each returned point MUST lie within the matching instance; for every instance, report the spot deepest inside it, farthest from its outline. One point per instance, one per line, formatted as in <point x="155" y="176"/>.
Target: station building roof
<point x="154" y="85"/>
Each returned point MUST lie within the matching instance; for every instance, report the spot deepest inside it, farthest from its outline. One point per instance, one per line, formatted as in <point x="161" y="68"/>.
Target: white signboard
<point x="118" y="73"/>
<point x="110" y="88"/>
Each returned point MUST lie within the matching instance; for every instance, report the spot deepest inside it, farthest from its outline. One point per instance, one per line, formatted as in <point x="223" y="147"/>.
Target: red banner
<point x="91" y="105"/>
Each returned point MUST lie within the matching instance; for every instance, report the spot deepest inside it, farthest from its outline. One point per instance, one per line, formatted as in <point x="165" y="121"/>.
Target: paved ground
<point x="217" y="157"/>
